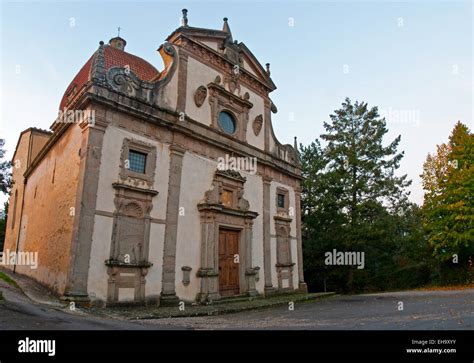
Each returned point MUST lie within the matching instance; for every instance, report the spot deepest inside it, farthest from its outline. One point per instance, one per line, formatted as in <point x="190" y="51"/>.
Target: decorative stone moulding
<point x="220" y="99"/>
<point x="200" y="95"/>
<point x="224" y="204"/>
<point x="257" y="125"/>
<point x="123" y="80"/>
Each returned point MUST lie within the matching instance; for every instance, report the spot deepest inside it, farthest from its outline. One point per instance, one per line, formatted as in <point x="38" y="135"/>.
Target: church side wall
<point x="14" y="203"/>
<point x="48" y="214"/>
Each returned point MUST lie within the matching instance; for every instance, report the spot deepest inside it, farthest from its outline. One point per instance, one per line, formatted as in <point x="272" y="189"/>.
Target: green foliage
<point x="448" y="207"/>
<point x="8" y="279"/>
<point x="5" y="172"/>
<point x="353" y="201"/>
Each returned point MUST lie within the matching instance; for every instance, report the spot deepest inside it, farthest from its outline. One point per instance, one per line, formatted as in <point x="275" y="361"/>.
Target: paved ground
<point x="425" y="310"/>
<point x="18" y="312"/>
<point x="433" y="310"/>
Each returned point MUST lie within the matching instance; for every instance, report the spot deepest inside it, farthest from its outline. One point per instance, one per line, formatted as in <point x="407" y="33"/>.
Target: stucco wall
<point x="197" y="175"/>
<point x="248" y="67"/>
<point x="37" y="142"/>
<point x="110" y="169"/>
<point x="198" y="74"/>
<point x="102" y="238"/>
<point x="19" y="167"/>
<point x="254" y="194"/>
<point x="167" y="96"/>
<point x="196" y="179"/>
<point x="48" y="214"/>
<point x="257" y="109"/>
<point x="293" y="241"/>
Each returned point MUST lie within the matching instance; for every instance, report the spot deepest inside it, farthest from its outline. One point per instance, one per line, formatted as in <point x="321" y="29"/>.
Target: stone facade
<point x="128" y="204"/>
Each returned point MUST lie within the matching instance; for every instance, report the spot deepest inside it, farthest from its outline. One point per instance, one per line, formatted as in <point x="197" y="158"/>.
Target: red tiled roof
<point x="113" y="58"/>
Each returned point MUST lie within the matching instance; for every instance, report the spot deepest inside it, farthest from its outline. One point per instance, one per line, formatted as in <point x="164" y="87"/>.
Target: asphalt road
<point x="17" y="312"/>
<point x="432" y="310"/>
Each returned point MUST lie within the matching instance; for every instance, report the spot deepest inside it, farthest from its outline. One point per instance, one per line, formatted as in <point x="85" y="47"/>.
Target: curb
<point x="21" y="286"/>
<point x="225" y="308"/>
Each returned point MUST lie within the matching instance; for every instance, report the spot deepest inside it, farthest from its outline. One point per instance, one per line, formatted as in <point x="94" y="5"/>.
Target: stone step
<point x="232" y="299"/>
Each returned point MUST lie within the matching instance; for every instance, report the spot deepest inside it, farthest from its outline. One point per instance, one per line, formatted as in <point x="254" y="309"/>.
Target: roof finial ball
<point x="268" y="68"/>
<point x="184" y="19"/>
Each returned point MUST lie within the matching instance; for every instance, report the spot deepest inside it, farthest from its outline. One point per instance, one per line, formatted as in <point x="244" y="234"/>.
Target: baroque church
<point x="161" y="186"/>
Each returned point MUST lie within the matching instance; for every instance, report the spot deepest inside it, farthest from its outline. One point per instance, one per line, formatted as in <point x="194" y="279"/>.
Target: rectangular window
<point x="281" y="200"/>
<point x="137" y="161"/>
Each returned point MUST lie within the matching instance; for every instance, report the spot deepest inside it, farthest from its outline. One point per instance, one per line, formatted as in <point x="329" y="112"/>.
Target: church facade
<point x="161" y="186"/>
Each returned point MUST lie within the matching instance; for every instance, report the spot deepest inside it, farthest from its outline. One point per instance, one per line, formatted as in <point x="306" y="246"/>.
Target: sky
<point x="411" y="59"/>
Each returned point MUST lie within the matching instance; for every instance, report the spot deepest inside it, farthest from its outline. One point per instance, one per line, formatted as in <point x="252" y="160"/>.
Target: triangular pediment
<point x="221" y="42"/>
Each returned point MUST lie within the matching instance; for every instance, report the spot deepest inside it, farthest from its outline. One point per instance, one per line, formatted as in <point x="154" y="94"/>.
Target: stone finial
<point x="184" y="19"/>
<point x="226" y="29"/>
<point x="268" y="68"/>
<point x="295" y="144"/>
<point x="98" y="64"/>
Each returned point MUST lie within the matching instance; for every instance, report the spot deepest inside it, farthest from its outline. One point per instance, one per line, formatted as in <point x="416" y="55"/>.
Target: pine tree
<point x="361" y="171"/>
<point x="363" y="168"/>
<point x="351" y="198"/>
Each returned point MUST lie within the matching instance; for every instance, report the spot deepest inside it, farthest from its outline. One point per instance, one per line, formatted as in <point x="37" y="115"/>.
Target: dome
<point x="114" y="56"/>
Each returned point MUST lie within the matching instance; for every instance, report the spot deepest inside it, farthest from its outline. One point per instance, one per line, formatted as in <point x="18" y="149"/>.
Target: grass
<point x="8" y="280"/>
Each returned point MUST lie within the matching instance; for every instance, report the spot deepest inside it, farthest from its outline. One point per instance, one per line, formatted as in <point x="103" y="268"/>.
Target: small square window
<point x="137" y="161"/>
<point x="281" y="201"/>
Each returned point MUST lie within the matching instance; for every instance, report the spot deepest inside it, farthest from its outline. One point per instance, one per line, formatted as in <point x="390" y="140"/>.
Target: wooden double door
<point x="228" y="262"/>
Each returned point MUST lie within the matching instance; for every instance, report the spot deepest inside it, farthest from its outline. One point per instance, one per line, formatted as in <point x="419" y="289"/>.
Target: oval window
<point x="227" y="122"/>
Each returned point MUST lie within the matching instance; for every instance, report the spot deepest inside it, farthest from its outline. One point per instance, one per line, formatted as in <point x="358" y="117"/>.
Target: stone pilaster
<point x="182" y="80"/>
<point x="249" y="269"/>
<point x="301" y="284"/>
<point x="267" y="254"/>
<point x="84" y="212"/>
<point x="168" y="289"/>
<point x="266" y="124"/>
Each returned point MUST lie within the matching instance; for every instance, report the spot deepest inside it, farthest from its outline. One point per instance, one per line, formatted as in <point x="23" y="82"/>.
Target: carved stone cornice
<point x="134" y="188"/>
<point x="233" y="174"/>
<point x="241" y="102"/>
<point x="283" y="219"/>
<point x="219" y="208"/>
<point x="193" y="129"/>
<point x="219" y="62"/>
<point x="206" y="272"/>
<point x="117" y="263"/>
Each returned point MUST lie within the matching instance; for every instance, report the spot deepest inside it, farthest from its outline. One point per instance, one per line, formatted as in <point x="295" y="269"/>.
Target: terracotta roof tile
<point x="113" y="58"/>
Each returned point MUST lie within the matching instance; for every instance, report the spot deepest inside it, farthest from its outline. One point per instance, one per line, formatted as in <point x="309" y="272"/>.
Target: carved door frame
<point x="215" y="215"/>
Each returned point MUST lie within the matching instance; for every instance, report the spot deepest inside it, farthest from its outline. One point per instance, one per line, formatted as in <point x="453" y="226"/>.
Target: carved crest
<point x="200" y="96"/>
<point x="257" y="124"/>
<point x="232" y="80"/>
<point x="123" y="80"/>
